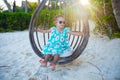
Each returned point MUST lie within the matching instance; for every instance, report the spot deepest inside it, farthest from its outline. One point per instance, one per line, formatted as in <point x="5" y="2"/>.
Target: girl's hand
<point x="43" y="31"/>
<point x="76" y="33"/>
<point x="81" y="33"/>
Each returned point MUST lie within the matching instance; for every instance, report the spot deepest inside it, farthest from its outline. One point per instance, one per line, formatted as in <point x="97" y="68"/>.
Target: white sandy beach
<point x="99" y="61"/>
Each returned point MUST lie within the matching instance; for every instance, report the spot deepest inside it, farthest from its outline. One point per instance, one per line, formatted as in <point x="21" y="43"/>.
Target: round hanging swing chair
<point x="43" y="19"/>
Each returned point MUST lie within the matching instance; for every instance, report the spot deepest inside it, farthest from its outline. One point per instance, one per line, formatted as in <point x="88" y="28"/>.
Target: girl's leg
<point x="47" y="57"/>
<point x="56" y="58"/>
<point x="44" y="62"/>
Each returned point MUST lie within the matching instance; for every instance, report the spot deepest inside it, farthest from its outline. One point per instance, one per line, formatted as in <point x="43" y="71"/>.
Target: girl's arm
<point x="43" y="31"/>
<point x="76" y="33"/>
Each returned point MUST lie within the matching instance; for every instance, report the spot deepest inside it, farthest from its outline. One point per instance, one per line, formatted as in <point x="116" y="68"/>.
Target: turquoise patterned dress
<point x="57" y="43"/>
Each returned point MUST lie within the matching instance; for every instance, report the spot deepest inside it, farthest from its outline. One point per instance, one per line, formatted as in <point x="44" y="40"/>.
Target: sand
<point x="99" y="61"/>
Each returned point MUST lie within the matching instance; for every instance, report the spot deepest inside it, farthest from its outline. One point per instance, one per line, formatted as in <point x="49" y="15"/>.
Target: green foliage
<point x="106" y="18"/>
<point x="103" y="31"/>
<point x="116" y="35"/>
<point x="33" y="6"/>
<point x="102" y="14"/>
<point x="71" y="16"/>
<point x="20" y="9"/>
<point x="14" y="21"/>
<point x="46" y="16"/>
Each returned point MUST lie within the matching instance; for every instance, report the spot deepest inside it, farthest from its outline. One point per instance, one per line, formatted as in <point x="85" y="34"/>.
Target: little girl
<point x="58" y="41"/>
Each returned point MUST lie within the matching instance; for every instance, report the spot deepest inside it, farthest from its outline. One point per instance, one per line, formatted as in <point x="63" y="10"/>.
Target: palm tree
<point x="14" y="6"/>
<point x="8" y="5"/>
<point x="116" y="11"/>
<point x="26" y="6"/>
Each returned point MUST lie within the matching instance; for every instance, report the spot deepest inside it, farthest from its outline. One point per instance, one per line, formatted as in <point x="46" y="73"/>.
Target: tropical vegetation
<point x="105" y="13"/>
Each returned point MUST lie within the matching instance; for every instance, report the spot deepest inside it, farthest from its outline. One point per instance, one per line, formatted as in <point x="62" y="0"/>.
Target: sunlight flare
<point x="84" y="2"/>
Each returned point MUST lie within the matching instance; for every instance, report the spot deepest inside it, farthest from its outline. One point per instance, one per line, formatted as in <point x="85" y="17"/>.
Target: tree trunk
<point x="8" y="5"/>
<point x="14" y="6"/>
<point x="116" y="11"/>
<point x="26" y="6"/>
<point x="38" y="1"/>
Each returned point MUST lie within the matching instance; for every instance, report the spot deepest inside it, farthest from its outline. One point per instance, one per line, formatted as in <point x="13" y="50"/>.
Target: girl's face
<point x="60" y="23"/>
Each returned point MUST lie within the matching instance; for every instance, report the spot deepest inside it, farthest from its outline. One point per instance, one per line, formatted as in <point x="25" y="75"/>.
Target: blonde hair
<point x="56" y="17"/>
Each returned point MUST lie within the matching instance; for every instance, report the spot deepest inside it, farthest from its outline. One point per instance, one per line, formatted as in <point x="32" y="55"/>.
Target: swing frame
<point x="63" y="60"/>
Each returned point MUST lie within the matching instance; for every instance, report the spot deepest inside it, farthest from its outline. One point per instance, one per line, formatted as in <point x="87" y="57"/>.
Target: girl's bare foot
<point x="52" y="66"/>
<point x="43" y="63"/>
